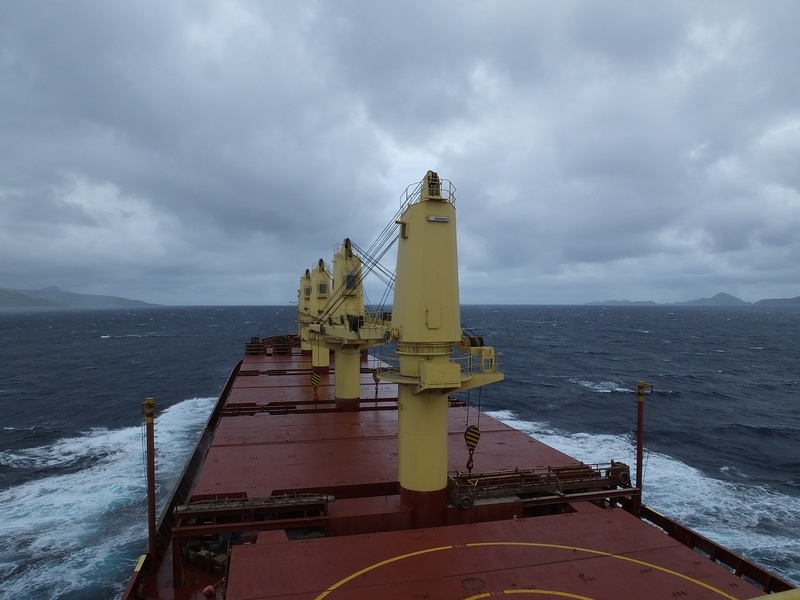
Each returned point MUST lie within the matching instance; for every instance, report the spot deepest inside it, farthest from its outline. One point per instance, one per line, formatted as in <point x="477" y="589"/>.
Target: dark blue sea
<point x="723" y="422"/>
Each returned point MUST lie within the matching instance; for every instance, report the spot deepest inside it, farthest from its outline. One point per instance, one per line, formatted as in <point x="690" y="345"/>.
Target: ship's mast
<point x="426" y="326"/>
<point x="344" y="327"/>
<point x="349" y="313"/>
<point x="313" y="296"/>
<point x="304" y="293"/>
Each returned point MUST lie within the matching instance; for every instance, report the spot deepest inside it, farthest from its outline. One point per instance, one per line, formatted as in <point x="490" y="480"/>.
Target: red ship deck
<point x="274" y="439"/>
<point x="592" y="553"/>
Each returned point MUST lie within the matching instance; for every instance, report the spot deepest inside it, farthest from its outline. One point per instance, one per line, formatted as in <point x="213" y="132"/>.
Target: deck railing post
<point x="640" y="390"/>
<point x="149" y="415"/>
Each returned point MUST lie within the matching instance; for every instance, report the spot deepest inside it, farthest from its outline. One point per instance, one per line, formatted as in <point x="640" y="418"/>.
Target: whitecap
<point x="69" y="531"/>
<point x="753" y="520"/>
<point x="602" y="387"/>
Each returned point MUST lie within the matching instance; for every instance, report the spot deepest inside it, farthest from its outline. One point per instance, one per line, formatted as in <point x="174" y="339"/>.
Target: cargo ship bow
<point x="327" y="470"/>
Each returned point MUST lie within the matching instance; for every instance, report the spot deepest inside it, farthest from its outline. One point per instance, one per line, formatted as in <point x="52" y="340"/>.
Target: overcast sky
<point x="198" y="152"/>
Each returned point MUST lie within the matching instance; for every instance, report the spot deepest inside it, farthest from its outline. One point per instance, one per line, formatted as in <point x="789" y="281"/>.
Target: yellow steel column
<point x="427" y="319"/>
<point x="347" y="378"/>
<point x="320" y="358"/>
<point x="426" y="327"/>
<point x="348" y="295"/>
<point x="304" y="311"/>
<point x="320" y="294"/>
<point x="422" y="440"/>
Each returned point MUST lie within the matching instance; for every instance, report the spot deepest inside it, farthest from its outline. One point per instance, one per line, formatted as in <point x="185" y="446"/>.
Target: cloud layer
<point x="207" y="153"/>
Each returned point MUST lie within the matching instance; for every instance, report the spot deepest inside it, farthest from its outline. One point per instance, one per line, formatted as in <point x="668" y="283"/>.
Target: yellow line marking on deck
<point x="610" y="555"/>
<point x="531" y="592"/>
<point x="400" y="557"/>
<point x="377" y="565"/>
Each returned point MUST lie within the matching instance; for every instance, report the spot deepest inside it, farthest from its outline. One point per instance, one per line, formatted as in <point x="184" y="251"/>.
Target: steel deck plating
<point x="336" y="527"/>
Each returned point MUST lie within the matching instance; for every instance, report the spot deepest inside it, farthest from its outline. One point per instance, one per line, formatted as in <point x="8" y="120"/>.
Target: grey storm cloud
<point x="208" y="153"/>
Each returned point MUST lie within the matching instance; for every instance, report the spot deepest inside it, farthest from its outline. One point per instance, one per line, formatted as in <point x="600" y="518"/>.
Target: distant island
<point x="52" y="297"/>
<point x="721" y="299"/>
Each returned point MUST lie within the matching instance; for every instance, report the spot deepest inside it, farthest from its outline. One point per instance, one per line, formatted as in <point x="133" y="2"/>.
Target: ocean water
<point x="723" y="422"/>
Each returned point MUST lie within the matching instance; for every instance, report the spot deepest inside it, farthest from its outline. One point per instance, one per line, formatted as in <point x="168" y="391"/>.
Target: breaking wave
<point x="752" y="520"/>
<point x="79" y="529"/>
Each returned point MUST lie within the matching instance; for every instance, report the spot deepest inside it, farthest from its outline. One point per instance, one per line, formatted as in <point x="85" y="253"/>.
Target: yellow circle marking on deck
<point x="610" y="555"/>
<point x="400" y="557"/>
<point x="531" y="592"/>
<point x="377" y="565"/>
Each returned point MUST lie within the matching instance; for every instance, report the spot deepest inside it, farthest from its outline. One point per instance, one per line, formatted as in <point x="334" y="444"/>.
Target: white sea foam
<point x="752" y="520"/>
<point x="79" y="530"/>
<point x="603" y="387"/>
